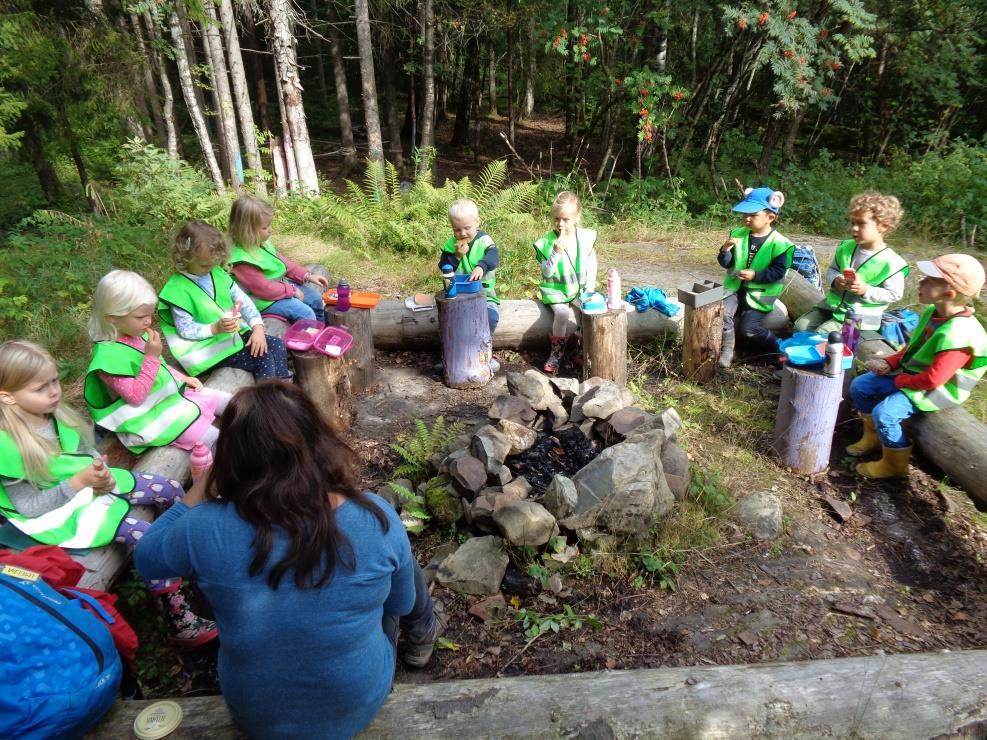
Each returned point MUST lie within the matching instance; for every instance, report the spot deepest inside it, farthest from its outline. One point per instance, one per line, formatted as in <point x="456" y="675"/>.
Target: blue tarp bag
<point x="59" y="669"/>
<point x="897" y="326"/>
<point x="804" y="262"/>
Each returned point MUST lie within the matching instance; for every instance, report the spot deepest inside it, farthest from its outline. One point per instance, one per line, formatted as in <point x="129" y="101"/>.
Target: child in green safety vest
<point x="203" y="312"/>
<point x="57" y="489"/>
<point x="277" y="285"/>
<point x="129" y="389"/>
<point x="756" y="258"/>
<point x="866" y="275"/>
<point x="470" y="251"/>
<point x="567" y="257"/>
<point x="938" y="368"/>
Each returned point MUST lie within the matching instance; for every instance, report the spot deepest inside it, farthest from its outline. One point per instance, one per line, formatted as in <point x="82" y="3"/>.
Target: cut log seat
<point x="913" y="695"/>
<point x="104" y="564"/>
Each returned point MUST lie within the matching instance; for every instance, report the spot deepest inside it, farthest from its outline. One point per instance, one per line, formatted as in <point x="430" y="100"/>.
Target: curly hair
<point x="885" y="208"/>
<point x="196" y="234"/>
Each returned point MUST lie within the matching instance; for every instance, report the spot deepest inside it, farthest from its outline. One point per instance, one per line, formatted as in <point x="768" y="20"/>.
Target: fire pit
<point x="564" y="451"/>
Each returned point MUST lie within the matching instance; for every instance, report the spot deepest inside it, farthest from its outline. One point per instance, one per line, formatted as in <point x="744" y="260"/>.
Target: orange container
<point x="358" y="298"/>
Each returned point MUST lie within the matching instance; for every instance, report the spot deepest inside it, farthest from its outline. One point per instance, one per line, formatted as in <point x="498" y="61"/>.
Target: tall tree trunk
<point x="468" y="92"/>
<point x="259" y="75"/>
<point x="568" y="101"/>
<point x="241" y="96"/>
<point x="226" y="162"/>
<point x="34" y="145"/>
<point x="426" y="151"/>
<point x="511" y="108"/>
<point x="283" y="43"/>
<point x="227" y="117"/>
<point x="287" y="150"/>
<point x="371" y="114"/>
<point x="168" y="107"/>
<point x="75" y="150"/>
<point x="195" y="68"/>
<point x="192" y="103"/>
<point x="320" y="64"/>
<point x="529" y="78"/>
<point x="791" y="135"/>
<point x="693" y="39"/>
<point x="342" y="95"/>
<point x="492" y="79"/>
<point x="147" y="77"/>
<point x="768" y="144"/>
<point x="392" y="109"/>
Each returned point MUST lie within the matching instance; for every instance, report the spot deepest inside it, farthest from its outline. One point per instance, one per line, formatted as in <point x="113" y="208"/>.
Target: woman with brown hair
<point x="307" y="575"/>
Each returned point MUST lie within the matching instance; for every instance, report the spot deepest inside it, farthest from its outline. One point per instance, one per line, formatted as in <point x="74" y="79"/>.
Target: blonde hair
<point x="463" y="208"/>
<point x="20" y="363"/>
<point x="191" y="237"/>
<point x="246" y="215"/>
<point x="567" y="198"/>
<point x="117" y="294"/>
<point x="886" y="209"/>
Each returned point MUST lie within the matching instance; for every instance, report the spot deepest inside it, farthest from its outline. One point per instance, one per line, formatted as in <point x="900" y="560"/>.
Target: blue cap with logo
<point x="760" y="199"/>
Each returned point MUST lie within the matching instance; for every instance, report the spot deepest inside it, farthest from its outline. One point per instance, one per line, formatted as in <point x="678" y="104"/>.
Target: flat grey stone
<point x="477" y="567"/>
<point x="525" y="523"/>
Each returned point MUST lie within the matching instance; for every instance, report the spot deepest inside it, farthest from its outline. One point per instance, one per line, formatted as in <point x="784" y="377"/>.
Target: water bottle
<point x="833" y="367"/>
<point x="850" y="334"/>
<point x="613" y="289"/>
<point x="200" y="460"/>
<point x="342" y="295"/>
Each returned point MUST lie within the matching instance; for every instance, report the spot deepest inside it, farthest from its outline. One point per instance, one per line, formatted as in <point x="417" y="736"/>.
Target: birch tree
<point x="227" y="117"/>
<point x="286" y="65"/>
<point x="192" y="104"/>
<point x="368" y="81"/>
<point x="241" y="96"/>
<point x="168" y="102"/>
<point x="427" y="150"/>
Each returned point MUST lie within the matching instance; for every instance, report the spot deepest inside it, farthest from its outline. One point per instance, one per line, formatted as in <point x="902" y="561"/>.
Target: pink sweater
<point x="134" y="391"/>
<point x="252" y="280"/>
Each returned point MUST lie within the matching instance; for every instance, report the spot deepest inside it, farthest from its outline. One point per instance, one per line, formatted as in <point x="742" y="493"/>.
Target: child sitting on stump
<point x="877" y="271"/>
<point x="756" y="258"/>
<point x="470" y="251"/>
<point x="944" y="359"/>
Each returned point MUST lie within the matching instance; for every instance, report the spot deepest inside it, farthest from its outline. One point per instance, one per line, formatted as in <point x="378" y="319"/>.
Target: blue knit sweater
<point x="292" y="663"/>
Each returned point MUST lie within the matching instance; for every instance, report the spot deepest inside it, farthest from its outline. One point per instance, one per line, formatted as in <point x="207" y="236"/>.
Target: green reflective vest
<point x="759" y="296"/>
<point x="874" y="271"/>
<point x="162" y="417"/>
<point x="468" y="262"/>
<point x="570" y="278"/>
<point x="87" y="519"/>
<point x="958" y="332"/>
<point x="264" y="258"/>
<point x="198" y="356"/>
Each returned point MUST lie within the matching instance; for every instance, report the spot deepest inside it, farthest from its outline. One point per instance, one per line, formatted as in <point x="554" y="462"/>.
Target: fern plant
<point x="379" y="215"/>
<point x="417" y="449"/>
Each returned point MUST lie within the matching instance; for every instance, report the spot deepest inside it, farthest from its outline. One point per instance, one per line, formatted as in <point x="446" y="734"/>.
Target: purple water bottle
<point x="850" y="332"/>
<point x="342" y="295"/>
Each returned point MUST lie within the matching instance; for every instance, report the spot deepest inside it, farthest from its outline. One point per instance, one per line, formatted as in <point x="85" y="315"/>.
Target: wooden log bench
<point x="921" y="695"/>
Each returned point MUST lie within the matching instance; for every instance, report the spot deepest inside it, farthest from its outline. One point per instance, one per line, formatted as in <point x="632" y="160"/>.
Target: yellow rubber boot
<point x="893" y="464"/>
<point x="869" y="442"/>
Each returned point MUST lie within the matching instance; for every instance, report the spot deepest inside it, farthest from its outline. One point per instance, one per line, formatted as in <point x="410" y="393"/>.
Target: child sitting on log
<point x="568" y="267"/>
<point x="470" y="251"/>
<point x="203" y="312"/>
<point x="937" y="369"/>
<point x="129" y="389"/>
<point x="275" y="284"/>
<point x="756" y="258"/>
<point x="866" y="275"/>
<point x="57" y="489"/>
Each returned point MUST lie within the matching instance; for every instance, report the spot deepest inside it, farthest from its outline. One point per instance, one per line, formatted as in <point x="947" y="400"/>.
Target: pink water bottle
<point x="200" y="460"/>
<point x="613" y="289"/>
<point x="342" y="295"/>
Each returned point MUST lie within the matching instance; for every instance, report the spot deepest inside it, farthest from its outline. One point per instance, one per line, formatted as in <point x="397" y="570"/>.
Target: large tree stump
<point x="466" y="346"/>
<point x="807" y="411"/>
<point x="702" y="330"/>
<point x="359" y="360"/>
<point x="327" y="383"/>
<point x="605" y="346"/>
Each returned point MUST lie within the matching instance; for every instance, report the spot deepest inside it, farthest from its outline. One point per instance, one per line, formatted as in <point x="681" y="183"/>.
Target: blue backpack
<point x="59" y="669"/>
